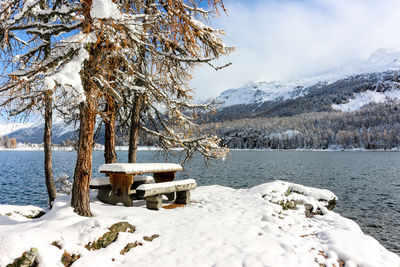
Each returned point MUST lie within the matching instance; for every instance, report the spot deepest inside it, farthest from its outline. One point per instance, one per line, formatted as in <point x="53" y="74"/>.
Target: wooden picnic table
<point x="122" y="176"/>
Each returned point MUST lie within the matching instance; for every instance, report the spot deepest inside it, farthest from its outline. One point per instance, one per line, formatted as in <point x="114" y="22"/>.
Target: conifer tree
<point x="27" y="33"/>
<point x="113" y="53"/>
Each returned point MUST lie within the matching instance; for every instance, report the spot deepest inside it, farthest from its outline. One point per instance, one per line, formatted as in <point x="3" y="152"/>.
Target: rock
<point x="56" y="244"/>
<point x="122" y="227"/>
<point x="26" y="260"/>
<point x="110" y="236"/>
<point x="68" y="259"/>
<point x="309" y="211"/>
<point x="289" y="205"/>
<point x="150" y="238"/>
<point x="36" y="216"/>
<point x="331" y="204"/>
<point x="129" y="246"/>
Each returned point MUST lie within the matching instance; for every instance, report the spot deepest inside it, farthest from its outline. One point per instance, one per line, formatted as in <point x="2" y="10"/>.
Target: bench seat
<point x="153" y="192"/>
<point x="100" y="182"/>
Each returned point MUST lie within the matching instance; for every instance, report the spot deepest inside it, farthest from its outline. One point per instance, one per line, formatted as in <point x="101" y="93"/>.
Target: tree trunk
<point x="48" y="158"/>
<point x="134" y="129"/>
<point x="83" y="168"/>
<point x="48" y="121"/>
<point x="110" y="155"/>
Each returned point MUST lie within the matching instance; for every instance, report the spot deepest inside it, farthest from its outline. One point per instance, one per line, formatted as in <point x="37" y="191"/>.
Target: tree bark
<point x="48" y="121"/>
<point x="110" y="155"/>
<point x="135" y="127"/>
<point x="83" y="168"/>
<point x="48" y="158"/>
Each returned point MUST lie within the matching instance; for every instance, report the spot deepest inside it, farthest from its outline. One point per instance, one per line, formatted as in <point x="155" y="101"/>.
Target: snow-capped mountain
<point x="8" y="127"/>
<point x="33" y="132"/>
<point x="382" y="60"/>
<point x="260" y="92"/>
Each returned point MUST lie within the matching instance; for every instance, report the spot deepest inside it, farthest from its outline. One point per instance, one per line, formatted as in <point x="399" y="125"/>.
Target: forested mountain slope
<point x="321" y="97"/>
<point x="376" y="126"/>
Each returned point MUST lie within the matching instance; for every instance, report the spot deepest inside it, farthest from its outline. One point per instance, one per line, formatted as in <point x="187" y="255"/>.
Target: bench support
<point x="182" y="197"/>
<point x="154" y="202"/>
<point x="170" y="196"/>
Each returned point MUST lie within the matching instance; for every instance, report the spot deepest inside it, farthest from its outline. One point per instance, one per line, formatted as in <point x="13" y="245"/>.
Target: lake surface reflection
<point x="366" y="183"/>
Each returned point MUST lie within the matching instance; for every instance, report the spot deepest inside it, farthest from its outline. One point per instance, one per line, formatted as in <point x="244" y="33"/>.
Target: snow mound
<point x="13" y="214"/>
<point x="221" y="227"/>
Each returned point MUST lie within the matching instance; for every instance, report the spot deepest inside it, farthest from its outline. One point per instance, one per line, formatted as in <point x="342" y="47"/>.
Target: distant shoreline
<point x="37" y="147"/>
<point x="98" y="147"/>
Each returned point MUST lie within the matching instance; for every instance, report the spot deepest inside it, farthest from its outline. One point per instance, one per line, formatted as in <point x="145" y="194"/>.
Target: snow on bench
<point x="153" y="192"/>
<point x="139" y="168"/>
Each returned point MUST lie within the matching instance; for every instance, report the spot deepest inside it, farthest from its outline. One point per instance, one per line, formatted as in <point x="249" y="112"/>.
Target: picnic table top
<point x="139" y="168"/>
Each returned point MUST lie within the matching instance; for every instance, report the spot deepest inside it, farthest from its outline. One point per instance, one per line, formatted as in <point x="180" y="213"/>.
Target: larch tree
<point x="176" y="40"/>
<point x="29" y="55"/>
<point x="135" y="55"/>
<point x="155" y="44"/>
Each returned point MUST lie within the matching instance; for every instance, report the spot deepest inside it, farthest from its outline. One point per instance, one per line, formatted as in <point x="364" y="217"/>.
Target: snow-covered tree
<point x="176" y="40"/>
<point x="96" y="57"/>
<point x="29" y="34"/>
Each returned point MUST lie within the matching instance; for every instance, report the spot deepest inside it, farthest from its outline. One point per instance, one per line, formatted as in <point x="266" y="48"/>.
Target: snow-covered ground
<point x="221" y="227"/>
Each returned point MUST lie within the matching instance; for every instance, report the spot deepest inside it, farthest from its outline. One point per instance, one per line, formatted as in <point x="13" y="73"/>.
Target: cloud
<point x="289" y="39"/>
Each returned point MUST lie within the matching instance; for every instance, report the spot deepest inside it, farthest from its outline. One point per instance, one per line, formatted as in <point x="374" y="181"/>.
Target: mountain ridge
<point x="382" y="60"/>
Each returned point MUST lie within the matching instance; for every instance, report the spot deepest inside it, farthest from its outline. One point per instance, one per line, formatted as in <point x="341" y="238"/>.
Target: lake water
<point x="366" y="183"/>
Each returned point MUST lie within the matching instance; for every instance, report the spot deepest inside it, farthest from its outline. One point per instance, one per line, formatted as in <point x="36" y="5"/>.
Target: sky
<point x="290" y="39"/>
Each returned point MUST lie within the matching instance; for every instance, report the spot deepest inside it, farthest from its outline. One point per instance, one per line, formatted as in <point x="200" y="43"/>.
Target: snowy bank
<point x="262" y="226"/>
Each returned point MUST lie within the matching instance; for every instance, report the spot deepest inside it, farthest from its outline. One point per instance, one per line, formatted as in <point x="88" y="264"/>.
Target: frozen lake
<point x="366" y="183"/>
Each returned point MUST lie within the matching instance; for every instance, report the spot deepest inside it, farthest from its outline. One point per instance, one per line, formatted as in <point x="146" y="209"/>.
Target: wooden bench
<point x="153" y="192"/>
<point x="123" y="175"/>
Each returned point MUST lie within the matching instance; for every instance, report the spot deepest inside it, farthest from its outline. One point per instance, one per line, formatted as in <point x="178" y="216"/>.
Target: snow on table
<point x="222" y="227"/>
<point x="140" y="167"/>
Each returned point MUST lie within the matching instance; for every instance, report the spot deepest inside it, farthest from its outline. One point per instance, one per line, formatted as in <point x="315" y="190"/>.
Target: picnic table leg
<point x="162" y="177"/>
<point x="121" y="184"/>
<point x="104" y="195"/>
<point x="182" y="197"/>
<point x="170" y="196"/>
